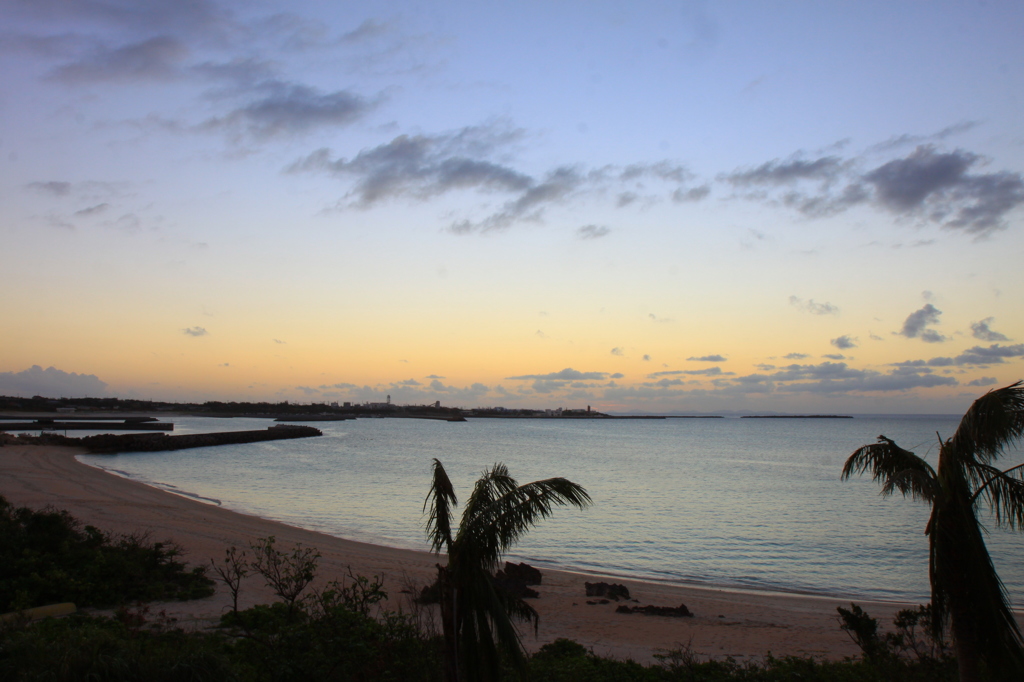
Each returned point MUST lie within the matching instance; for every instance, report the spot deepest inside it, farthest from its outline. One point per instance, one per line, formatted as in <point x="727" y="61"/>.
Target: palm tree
<point x="966" y="590"/>
<point x="476" y="617"/>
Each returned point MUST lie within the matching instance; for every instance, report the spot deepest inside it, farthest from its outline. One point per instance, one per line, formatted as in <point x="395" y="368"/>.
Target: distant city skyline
<point x="665" y="207"/>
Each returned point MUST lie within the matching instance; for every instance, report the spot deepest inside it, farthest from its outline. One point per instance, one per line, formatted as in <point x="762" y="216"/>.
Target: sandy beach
<point x="727" y="623"/>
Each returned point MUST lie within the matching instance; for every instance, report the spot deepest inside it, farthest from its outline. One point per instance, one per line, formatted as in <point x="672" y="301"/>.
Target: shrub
<point x="47" y="557"/>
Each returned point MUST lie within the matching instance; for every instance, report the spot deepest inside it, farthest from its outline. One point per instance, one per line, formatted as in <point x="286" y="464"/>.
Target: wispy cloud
<point x="567" y="374"/>
<point x="157" y="58"/>
<point x="813" y="307"/>
<point x="593" y="232"/>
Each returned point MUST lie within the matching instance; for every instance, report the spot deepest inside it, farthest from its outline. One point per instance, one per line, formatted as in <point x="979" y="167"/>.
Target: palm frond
<point x="897" y="469"/>
<point x="494" y="483"/>
<point x="1003" y="491"/>
<point x="499" y="525"/>
<point x="916" y="483"/>
<point x="440" y="500"/>
<point x="993" y="422"/>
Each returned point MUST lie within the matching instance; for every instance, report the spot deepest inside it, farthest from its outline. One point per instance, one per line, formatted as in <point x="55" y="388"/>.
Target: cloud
<point x="796" y="356"/>
<point x="475" y="158"/>
<point x="838" y="377"/>
<point x="51" y="383"/>
<point x="932" y="185"/>
<point x="786" y="172"/>
<point x="981" y="330"/>
<point x="279" y="107"/>
<point x="939" y="186"/>
<point x="993" y="355"/>
<point x="424" y="166"/>
<point x="557" y="186"/>
<point x="307" y="390"/>
<point x="92" y="210"/>
<point x="195" y="331"/>
<point x="434" y="376"/>
<point x="279" y="341"/>
<point x="593" y="232"/>
<point x="647" y="358"/>
<point x="834" y="356"/>
<point x="905" y="184"/>
<point x="367" y="30"/>
<point x="157" y="58"/>
<point x="707" y="358"/>
<point x="681" y="196"/>
<point x="908" y="140"/>
<point x="710" y="371"/>
<point x="567" y="374"/>
<point x="916" y="325"/>
<point x="844" y="342"/>
<point x="56" y="188"/>
<point x="983" y="381"/>
<point x="342" y="386"/>
<point x="626" y="198"/>
<point x="812" y="307"/>
<point x="618" y="351"/>
<point x="197" y="17"/>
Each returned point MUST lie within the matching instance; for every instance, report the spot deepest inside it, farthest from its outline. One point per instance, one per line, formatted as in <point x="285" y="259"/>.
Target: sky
<point x="654" y="207"/>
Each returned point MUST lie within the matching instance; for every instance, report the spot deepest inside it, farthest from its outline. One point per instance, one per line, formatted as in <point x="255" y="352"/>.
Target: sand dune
<point x="742" y="625"/>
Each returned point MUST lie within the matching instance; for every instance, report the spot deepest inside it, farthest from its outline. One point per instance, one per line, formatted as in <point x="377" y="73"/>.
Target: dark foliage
<point x="123" y="649"/>
<point x="915" y="650"/>
<point x="47" y="557"/>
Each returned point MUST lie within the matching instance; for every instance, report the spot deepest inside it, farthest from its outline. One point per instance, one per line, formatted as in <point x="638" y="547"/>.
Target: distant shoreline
<point x="797" y="416"/>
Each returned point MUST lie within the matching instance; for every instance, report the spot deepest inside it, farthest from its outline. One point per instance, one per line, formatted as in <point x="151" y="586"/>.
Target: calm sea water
<point x="743" y="503"/>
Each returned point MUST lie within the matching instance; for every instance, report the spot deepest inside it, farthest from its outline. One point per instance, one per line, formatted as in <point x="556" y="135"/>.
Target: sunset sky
<point x="653" y="206"/>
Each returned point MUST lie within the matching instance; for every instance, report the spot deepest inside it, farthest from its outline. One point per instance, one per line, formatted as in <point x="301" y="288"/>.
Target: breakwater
<point x="109" y="444"/>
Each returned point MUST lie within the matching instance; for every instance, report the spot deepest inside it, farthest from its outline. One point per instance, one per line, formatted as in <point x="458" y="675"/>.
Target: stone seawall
<point x="108" y="444"/>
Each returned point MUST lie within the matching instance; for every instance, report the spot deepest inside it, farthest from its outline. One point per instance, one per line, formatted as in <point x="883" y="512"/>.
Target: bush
<point x="82" y="647"/>
<point x="47" y="557"/>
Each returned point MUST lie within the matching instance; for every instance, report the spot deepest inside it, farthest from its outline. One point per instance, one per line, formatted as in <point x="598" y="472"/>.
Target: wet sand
<point x="744" y="625"/>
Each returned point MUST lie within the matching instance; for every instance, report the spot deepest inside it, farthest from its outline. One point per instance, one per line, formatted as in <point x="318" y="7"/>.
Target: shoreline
<point x="588" y="573"/>
<point x="744" y="624"/>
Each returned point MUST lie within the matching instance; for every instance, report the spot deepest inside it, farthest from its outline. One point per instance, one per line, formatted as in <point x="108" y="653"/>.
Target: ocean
<point x="753" y="504"/>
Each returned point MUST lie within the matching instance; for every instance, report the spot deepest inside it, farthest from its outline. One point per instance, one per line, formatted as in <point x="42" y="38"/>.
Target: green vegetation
<point x="331" y="637"/>
<point x="47" y="557"/>
<point x="966" y="590"/>
<point x="476" y="616"/>
<point x="340" y="632"/>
